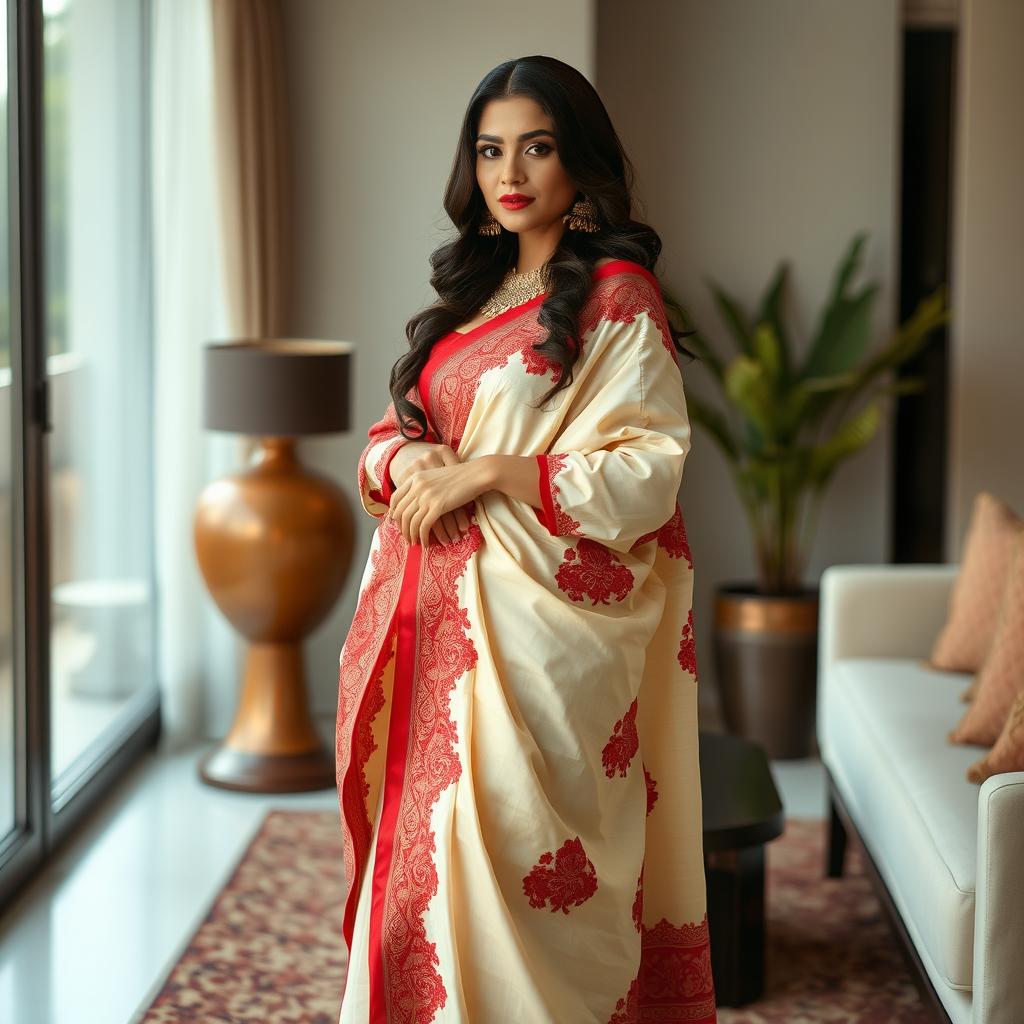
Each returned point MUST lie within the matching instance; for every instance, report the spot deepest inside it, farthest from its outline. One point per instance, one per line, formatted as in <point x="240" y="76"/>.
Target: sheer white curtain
<point x="200" y="655"/>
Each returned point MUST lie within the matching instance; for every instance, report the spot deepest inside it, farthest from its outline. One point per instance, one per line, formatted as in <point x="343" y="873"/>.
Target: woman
<point x="517" y="718"/>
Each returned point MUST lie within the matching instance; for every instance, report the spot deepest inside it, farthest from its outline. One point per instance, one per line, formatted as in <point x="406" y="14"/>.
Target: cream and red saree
<point x="517" y="716"/>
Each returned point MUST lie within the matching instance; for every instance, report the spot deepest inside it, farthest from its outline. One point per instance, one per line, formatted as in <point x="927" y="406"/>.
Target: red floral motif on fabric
<point x="674" y="984"/>
<point x="564" y="523"/>
<point x="619" y="296"/>
<point x="540" y="364"/>
<point x="592" y="570"/>
<point x="638" y="900"/>
<point x="652" y="790"/>
<point x="455" y="380"/>
<point x="622" y="297"/>
<point x="687" y="654"/>
<point x="568" y="882"/>
<point x="383" y="467"/>
<point x="358" y="701"/>
<point x="675" y="973"/>
<point x="363" y="744"/>
<point x="622" y="745"/>
<point x="671" y="537"/>
<point x="445" y="653"/>
<point x="627" y="1009"/>
<point x="385" y="429"/>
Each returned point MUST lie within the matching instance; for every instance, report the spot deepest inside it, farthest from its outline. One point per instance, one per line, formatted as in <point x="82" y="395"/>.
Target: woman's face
<point x="507" y="164"/>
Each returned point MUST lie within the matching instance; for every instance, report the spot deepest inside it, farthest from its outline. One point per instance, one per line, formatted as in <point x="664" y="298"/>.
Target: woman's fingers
<point x="406" y="516"/>
<point x="423" y="529"/>
<point x="443" y="529"/>
<point x="412" y="498"/>
<point x="459" y="521"/>
<point x="448" y="528"/>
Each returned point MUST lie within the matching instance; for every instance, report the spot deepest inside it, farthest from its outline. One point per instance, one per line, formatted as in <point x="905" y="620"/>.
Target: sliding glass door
<point x="78" y="691"/>
<point x="102" y="664"/>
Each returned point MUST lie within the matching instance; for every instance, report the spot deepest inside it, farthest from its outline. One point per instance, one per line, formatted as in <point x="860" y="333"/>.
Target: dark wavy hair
<point x="467" y="269"/>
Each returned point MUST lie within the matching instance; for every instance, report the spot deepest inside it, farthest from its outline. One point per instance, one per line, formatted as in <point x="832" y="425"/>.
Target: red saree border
<point x="434" y="651"/>
<point x="383" y="469"/>
<point x="674" y="984"/>
<point x="619" y="266"/>
<point x="546" y="514"/>
<point x="453" y="341"/>
<point x="397" y="754"/>
<point x="369" y="705"/>
<point x="496" y="321"/>
<point x="359" y="699"/>
<point x="557" y="521"/>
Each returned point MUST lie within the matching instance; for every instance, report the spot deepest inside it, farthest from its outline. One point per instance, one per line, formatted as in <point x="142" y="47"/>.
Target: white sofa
<point x="949" y="853"/>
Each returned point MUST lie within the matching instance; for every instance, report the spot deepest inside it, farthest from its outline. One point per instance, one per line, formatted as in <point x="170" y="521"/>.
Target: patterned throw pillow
<point x="1000" y="680"/>
<point x="977" y="594"/>
<point x="1007" y="755"/>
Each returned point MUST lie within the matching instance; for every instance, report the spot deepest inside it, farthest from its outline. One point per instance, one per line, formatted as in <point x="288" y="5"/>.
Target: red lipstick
<point x="515" y="201"/>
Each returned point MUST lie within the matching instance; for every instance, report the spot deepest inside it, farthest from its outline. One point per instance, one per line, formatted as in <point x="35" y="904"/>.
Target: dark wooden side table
<point x="742" y="811"/>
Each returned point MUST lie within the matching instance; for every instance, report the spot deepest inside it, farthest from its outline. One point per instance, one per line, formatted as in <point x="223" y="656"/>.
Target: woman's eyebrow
<point x="522" y="138"/>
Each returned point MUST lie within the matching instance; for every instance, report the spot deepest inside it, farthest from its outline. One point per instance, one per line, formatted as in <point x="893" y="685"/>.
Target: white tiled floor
<point x="91" y="939"/>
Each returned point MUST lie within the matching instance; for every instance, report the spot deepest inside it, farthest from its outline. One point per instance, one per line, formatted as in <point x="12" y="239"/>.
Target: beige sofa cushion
<point x="1001" y="678"/>
<point x="977" y="595"/>
<point x="1007" y="754"/>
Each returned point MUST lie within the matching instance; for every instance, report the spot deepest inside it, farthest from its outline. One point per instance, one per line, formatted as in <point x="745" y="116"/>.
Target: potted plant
<point x="788" y="423"/>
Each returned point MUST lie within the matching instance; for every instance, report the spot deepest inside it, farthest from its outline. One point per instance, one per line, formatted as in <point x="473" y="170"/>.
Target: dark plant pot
<point x="766" y="657"/>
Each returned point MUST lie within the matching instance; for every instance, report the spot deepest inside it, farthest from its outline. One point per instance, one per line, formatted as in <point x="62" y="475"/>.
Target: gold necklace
<point x="515" y="289"/>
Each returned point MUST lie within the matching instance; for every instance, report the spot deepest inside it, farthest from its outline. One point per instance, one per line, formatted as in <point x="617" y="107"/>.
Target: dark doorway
<point x="921" y="420"/>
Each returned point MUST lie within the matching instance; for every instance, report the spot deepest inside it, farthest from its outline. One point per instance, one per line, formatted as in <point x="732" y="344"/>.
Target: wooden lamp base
<point x="274" y="545"/>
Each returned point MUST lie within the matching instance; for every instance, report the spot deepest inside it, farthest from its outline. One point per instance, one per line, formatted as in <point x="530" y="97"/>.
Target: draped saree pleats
<point x="517" y="710"/>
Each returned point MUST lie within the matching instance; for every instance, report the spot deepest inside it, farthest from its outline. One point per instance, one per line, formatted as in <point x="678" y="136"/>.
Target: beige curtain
<point x="252" y="159"/>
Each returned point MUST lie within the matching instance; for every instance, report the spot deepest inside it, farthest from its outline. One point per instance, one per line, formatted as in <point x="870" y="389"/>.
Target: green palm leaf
<point x="773" y="431"/>
<point x="715" y="423"/>
<point x="734" y="317"/>
<point x="853" y="435"/>
<point x="771" y="313"/>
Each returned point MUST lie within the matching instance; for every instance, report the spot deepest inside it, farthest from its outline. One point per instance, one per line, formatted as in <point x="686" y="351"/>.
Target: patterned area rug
<point x="271" y="948"/>
<point x="830" y="954"/>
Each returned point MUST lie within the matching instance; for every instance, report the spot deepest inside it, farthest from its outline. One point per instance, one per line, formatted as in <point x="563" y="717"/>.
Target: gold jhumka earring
<point x="489" y="224"/>
<point x="582" y="217"/>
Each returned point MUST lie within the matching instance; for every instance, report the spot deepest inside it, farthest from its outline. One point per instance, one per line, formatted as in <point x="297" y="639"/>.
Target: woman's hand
<point x="415" y="457"/>
<point x="410" y="457"/>
<point x="432" y="492"/>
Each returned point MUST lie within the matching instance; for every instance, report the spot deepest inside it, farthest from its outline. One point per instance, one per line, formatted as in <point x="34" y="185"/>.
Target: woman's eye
<point x="545" y="149"/>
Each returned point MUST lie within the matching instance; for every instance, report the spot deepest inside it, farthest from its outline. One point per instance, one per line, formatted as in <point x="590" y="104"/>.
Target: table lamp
<point x="274" y="545"/>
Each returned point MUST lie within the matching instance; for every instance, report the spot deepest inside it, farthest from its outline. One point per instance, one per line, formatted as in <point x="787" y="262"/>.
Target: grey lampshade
<point x="277" y="386"/>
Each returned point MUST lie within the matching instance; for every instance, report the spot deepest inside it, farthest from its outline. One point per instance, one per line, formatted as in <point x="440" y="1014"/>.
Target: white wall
<point x="377" y="96"/>
<point x="987" y="331"/>
<point x="761" y="131"/>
